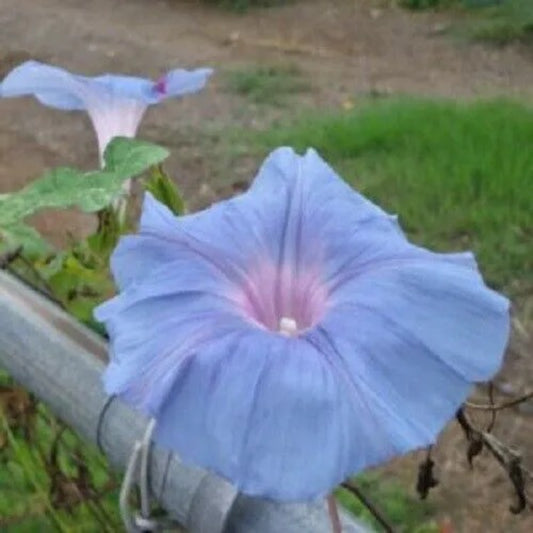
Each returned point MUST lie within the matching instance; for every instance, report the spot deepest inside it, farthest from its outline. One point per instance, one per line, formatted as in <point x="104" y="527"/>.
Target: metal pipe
<point x="61" y="362"/>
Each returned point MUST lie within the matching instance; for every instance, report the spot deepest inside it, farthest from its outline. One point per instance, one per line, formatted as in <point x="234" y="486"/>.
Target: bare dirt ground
<point x="346" y="48"/>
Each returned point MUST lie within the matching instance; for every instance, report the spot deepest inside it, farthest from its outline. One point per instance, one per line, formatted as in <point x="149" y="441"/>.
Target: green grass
<point x="245" y="5"/>
<point x="424" y="4"/>
<point x="510" y="20"/>
<point x="495" y="21"/>
<point x="267" y="84"/>
<point x="459" y="175"/>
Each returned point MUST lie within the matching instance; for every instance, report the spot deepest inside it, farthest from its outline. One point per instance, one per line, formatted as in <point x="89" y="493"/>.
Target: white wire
<point x="143" y="474"/>
<point x="125" y="489"/>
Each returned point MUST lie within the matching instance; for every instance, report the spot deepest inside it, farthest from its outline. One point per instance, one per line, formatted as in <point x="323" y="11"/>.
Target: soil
<point x="346" y="48"/>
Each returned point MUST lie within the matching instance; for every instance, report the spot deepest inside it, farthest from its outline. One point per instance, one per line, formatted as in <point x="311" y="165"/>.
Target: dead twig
<point x="509" y="459"/>
<point x="501" y="406"/>
<point x="426" y="478"/>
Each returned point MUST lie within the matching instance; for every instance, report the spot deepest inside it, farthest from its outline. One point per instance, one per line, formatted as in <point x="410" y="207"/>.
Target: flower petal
<point x="59" y="88"/>
<point x="179" y="82"/>
<point x="164" y="237"/>
<point x="415" y="336"/>
<point x="159" y="272"/>
<point x="296" y="214"/>
<point x="291" y="234"/>
<point x="149" y="338"/>
<point x="115" y="103"/>
<point x="52" y="86"/>
<point x="136" y="256"/>
<point x="388" y="337"/>
<point x="289" y="207"/>
<point x="444" y="306"/>
<point x="269" y="414"/>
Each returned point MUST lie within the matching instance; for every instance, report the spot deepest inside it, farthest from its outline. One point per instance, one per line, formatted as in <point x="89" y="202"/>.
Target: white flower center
<point x="288" y="326"/>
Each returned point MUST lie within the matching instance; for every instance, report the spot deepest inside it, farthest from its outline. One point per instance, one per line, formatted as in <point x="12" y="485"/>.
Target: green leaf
<point x="164" y="189"/>
<point x="129" y="158"/>
<point x="34" y="246"/>
<point x="89" y="191"/>
<point x="80" y="287"/>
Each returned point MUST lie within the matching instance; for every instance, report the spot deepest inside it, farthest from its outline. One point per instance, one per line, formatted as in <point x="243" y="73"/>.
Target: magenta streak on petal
<point x="269" y="294"/>
<point x="160" y="86"/>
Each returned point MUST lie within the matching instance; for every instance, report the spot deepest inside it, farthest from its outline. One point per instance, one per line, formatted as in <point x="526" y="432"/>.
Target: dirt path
<point x="345" y="48"/>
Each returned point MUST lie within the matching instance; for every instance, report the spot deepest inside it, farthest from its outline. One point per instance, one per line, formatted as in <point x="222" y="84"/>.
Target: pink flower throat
<point x="283" y="300"/>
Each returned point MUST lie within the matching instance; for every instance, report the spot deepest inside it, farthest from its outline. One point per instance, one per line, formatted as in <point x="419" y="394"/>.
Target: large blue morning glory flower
<point x="292" y="336"/>
<point x="115" y="103"/>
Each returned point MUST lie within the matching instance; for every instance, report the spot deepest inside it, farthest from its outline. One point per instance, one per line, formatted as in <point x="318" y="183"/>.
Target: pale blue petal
<point x="180" y="82"/>
<point x="156" y="244"/>
<point x="443" y="306"/>
<point x="293" y="202"/>
<point x="56" y="87"/>
<point x="120" y="86"/>
<point x="416" y="336"/>
<point x="136" y="257"/>
<point x="155" y="325"/>
<point x="52" y="86"/>
<point x="269" y="414"/>
<point x="314" y="181"/>
<point x="174" y="298"/>
<point x="164" y="237"/>
<point x="403" y="335"/>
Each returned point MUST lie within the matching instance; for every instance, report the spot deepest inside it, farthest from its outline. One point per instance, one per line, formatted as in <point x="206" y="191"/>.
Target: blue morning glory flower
<point x="292" y="336"/>
<point x="115" y="103"/>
